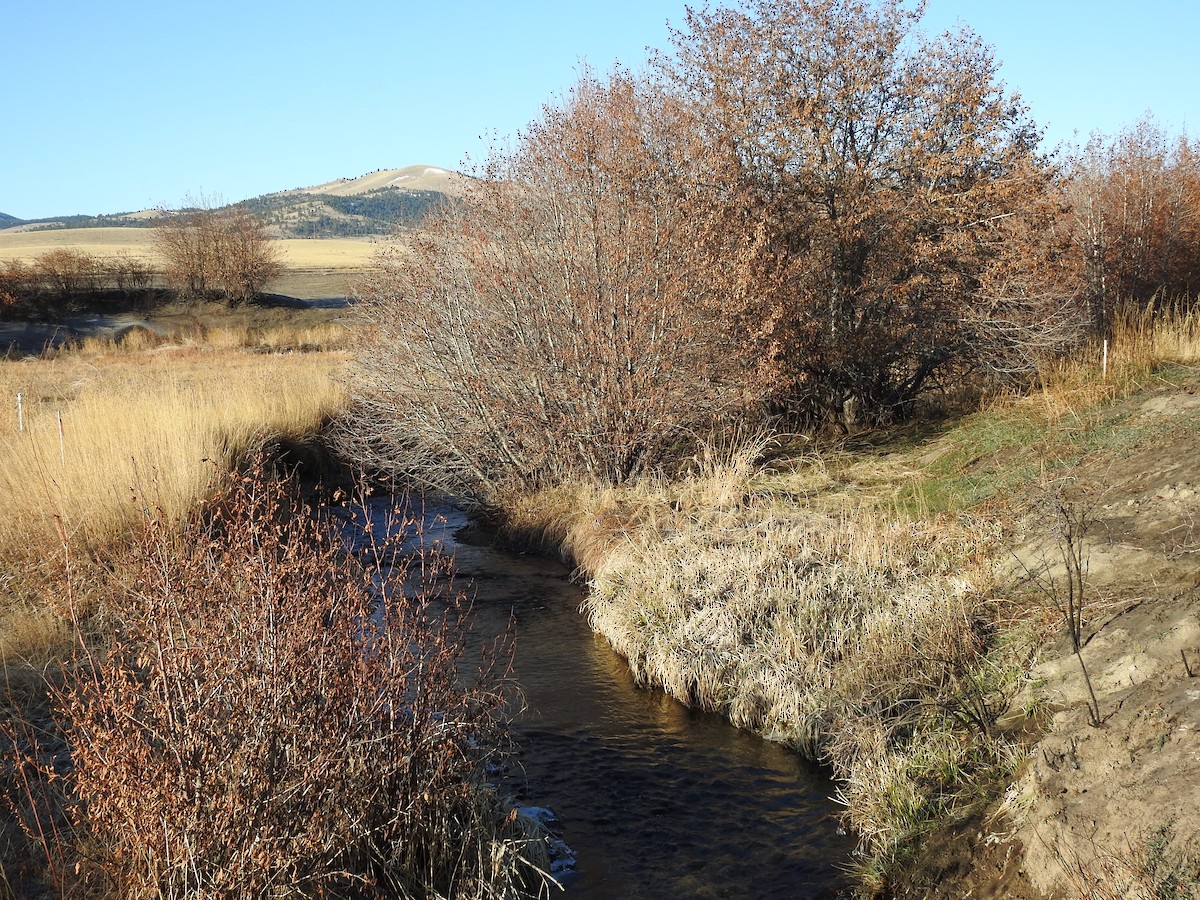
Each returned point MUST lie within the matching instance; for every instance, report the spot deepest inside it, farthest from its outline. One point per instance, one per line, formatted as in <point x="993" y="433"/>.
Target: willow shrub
<point x="551" y="324"/>
<point x="266" y="720"/>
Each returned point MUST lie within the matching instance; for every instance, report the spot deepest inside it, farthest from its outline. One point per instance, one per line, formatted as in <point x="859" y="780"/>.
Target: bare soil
<point x="1106" y="810"/>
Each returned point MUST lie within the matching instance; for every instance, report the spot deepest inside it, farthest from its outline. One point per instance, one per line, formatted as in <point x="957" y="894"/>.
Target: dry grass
<point x="1151" y="869"/>
<point x="109" y="429"/>
<point x="837" y="601"/>
<point x="27" y="245"/>
<point x="98" y="426"/>
<point x="1143" y="340"/>
<point x="339" y="253"/>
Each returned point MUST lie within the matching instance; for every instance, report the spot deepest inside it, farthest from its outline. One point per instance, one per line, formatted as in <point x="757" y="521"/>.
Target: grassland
<point x="106" y="430"/>
<point x="314" y="268"/>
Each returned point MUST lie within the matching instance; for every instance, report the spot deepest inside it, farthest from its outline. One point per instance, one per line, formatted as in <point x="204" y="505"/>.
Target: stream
<point x="655" y="800"/>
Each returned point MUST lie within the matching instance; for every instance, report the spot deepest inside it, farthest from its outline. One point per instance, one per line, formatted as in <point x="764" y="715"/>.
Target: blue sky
<point x="121" y="105"/>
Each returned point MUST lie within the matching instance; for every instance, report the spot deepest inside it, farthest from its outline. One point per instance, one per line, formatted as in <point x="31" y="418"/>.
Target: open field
<point x="330" y="253"/>
<point x="315" y="268"/>
<point x="26" y="245"/>
<point x="106" y="431"/>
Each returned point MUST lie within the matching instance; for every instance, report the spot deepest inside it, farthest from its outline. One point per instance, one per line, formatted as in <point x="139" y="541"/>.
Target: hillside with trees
<point x="311" y="215"/>
<point x="371" y="205"/>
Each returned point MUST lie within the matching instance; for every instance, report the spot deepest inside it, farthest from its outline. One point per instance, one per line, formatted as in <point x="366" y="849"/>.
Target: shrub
<point x="68" y="272"/>
<point x="216" y="253"/>
<point x="551" y="323"/>
<point x="265" y="721"/>
<point x="872" y="202"/>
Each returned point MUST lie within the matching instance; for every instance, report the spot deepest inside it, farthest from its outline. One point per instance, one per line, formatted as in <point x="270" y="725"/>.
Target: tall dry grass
<point x="163" y="425"/>
<point x="1143" y="339"/>
<point x="106" y="431"/>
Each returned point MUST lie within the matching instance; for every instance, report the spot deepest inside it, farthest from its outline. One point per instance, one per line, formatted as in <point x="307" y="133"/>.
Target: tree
<point x="858" y="182"/>
<point x="550" y="323"/>
<point x="247" y="258"/>
<point x="68" y="272"/>
<point x="1136" y="201"/>
<point x="216" y="252"/>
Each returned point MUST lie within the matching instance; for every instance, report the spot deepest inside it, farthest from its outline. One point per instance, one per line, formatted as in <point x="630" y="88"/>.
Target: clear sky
<point x="126" y="104"/>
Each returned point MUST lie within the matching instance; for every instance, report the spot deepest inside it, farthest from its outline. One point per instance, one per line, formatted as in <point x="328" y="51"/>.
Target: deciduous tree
<point x="858" y="181"/>
<point x="1136" y="201"/>
<point x="216" y="252"/>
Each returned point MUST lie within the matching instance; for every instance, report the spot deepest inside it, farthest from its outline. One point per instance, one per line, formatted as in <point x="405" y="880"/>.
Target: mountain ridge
<point x="370" y="204"/>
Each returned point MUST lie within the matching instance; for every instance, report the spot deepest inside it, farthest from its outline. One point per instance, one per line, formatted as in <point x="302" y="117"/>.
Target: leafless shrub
<point x="216" y="252"/>
<point x="1067" y="593"/>
<point x="68" y="272"/>
<point x="552" y="323"/>
<point x="127" y="274"/>
<point x="17" y="281"/>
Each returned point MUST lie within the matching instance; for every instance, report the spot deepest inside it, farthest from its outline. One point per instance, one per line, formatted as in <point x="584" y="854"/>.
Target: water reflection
<point x="656" y="800"/>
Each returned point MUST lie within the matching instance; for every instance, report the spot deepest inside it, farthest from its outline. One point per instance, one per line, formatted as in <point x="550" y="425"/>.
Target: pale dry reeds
<point x="94" y="430"/>
<point x="829" y="624"/>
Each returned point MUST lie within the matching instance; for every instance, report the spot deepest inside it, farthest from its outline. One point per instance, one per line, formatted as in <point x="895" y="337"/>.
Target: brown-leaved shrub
<point x="269" y="719"/>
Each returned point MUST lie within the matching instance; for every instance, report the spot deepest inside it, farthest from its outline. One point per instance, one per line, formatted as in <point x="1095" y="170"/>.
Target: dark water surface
<point x="656" y="800"/>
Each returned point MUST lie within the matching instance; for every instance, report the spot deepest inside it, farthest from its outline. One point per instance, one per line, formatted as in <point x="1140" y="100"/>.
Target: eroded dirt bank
<point x="1104" y="810"/>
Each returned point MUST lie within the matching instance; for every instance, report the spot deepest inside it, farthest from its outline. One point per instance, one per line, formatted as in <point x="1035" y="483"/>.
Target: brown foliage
<point x="267" y="722"/>
<point x="859" y="181"/>
<point x="1136" y="200"/>
<point x="68" y="272"/>
<point x="16" y="285"/>
<point x="554" y="322"/>
<point x="127" y="274"/>
<point x="217" y="252"/>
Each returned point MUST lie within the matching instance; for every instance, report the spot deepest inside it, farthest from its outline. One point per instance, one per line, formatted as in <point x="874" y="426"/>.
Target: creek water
<point x="654" y="799"/>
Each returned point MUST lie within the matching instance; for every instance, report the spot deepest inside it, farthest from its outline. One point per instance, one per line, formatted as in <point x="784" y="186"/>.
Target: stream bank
<point x="987" y="779"/>
<point x="655" y="800"/>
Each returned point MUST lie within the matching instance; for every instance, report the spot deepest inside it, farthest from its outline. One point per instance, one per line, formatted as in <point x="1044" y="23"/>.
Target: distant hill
<point x="410" y="178"/>
<point x="372" y="204"/>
